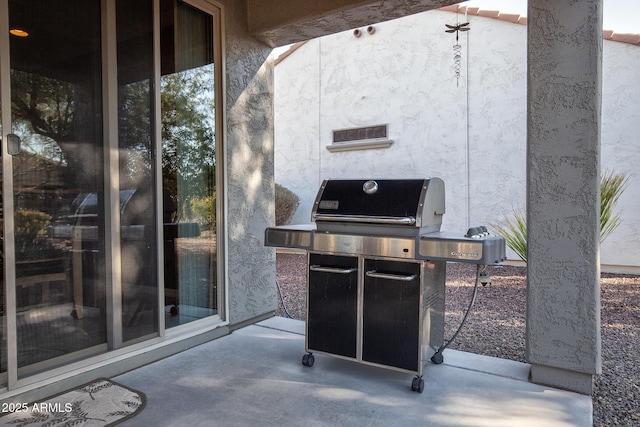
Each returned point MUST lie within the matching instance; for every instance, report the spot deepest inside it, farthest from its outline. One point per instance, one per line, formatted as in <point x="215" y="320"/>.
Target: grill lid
<point x="416" y="204"/>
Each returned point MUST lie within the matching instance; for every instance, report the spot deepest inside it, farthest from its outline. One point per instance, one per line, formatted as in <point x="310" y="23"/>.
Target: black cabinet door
<point x="391" y="314"/>
<point x="332" y="305"/>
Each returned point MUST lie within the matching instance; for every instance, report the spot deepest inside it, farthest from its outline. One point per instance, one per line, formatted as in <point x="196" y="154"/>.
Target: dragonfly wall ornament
<point x="457" y="28"/>
<point x="457" y="49"/>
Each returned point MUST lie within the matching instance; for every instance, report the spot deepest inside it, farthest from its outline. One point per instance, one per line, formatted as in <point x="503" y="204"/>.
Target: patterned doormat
<point x="98" y="403"/>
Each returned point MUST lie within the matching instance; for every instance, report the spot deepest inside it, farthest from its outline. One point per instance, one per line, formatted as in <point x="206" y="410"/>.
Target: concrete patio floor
<point x="254" y="377"/>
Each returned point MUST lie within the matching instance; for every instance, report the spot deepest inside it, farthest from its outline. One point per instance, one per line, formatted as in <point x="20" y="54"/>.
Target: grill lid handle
<point x="406" y="220"/>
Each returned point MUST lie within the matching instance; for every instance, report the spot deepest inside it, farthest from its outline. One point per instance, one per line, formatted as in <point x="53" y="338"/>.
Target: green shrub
<point x="286" y="204"/>
<point x="204" y="210"/>
<point x="31" y="222"/>
<point x="31" y="242"/>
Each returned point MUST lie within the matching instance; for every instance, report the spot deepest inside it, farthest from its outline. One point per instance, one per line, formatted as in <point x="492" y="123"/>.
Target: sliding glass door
<point x="187" y="89"/>
<point x="137" y="169"/>
<point x="109" y="215"/>
<point x="53" y="150"/>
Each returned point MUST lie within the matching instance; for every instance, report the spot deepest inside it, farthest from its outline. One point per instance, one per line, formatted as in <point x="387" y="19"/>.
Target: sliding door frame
<point x="115" y="349"/>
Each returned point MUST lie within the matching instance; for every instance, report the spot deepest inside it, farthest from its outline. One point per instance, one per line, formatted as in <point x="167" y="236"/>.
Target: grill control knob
<point x="473" y="232"/>
<point x="477" y="232"/>
<point x="370" y="187"/>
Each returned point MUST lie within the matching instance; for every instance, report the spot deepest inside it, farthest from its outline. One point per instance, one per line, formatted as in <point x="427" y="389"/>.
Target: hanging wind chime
<point x="457" y="49"/>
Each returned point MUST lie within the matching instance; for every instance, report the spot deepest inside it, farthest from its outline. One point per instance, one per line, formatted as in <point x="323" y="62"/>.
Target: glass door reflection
<point x="188" y="163"/>
<point x="137" y="154"/>
<point x="3" y="289"/>
<point x="57" y="181"/>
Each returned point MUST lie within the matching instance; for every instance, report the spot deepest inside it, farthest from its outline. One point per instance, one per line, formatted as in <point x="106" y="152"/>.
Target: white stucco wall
<point x="621" y="145"/>
<point x="471" y="134"/>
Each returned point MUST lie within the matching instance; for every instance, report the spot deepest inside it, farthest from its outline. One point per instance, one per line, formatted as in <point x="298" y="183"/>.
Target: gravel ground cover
<point x="496" y="326"/>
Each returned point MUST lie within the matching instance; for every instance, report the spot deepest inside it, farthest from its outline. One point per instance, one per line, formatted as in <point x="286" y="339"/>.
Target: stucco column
<point x="563" y="157"/>
<point x="250" y="206"/>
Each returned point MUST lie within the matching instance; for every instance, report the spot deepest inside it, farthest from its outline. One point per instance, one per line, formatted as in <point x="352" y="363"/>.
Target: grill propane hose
<point x="437" y="358"/>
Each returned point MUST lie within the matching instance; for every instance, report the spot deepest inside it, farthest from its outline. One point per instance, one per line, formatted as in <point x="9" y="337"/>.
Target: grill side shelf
<point x="444" y="246"/>
<point x="290" y="236"/>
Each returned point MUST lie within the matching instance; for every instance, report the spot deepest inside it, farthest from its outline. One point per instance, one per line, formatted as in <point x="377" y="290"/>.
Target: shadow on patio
<point x="255" y="377"/>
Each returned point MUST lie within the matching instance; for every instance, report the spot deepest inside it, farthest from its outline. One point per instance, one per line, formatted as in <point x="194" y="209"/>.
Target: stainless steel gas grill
<point x="376" y="270"/>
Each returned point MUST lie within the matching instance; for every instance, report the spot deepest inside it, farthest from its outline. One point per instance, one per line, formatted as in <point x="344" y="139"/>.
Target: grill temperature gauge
<point x="370" y="187"/>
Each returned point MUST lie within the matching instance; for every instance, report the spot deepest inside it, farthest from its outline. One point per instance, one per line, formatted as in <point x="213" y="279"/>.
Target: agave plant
<point x="612" y="185"/>
<point x="514" y="230"/>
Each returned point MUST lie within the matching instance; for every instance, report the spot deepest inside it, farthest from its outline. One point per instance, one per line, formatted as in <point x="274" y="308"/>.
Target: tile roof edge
<point x="629" y="38"/>
<point x="289" y="51"/>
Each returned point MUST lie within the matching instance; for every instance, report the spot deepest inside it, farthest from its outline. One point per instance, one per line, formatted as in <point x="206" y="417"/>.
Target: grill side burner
<point x="376" y="270"/>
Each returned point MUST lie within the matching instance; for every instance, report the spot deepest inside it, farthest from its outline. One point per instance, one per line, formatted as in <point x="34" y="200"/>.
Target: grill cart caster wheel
<point x="437" y="358"/>
<point x="174" y="310"/>
<point x="308" y="359"/>
<point x="417" y="385"/>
